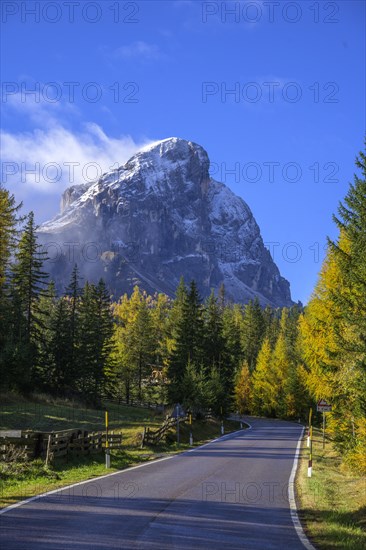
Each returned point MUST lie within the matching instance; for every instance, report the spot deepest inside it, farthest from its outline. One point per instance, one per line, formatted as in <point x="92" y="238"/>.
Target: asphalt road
<point x="229" y="494"/>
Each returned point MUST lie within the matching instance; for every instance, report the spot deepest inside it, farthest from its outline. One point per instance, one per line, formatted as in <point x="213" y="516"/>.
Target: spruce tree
<point x="193" y="389"/>
<point x="231" y="324"/>
<point x="188" y="346"/>
<point x="27" y="285"/>
<point x="9" y="221"/>
<point x="213" y="333"/>
<point x="104" y="330"/>
<point x="253" y="329"/>
<point x="73" y="293"/>
<point x="29" y="279"/>
<point x="44" y="375"/>
<point x="96" y="328"/>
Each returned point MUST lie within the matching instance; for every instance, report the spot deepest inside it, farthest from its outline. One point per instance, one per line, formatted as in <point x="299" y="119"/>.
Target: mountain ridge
<point x="160" y="216"/>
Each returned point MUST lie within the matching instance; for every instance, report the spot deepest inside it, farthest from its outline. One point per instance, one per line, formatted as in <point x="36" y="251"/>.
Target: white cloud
<point x="38" y="165"/>
<point x="52" y="159"/>
<point x="139" y="49"/>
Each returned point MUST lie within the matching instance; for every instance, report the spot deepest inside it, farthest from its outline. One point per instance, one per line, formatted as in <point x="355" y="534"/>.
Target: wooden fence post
<point x="48" y="449"/>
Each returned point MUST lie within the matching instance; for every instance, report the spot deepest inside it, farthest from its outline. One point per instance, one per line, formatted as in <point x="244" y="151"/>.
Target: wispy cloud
<point x="52" y="159"/>
<point x="139" y="50"/>
<point x="44" y="161"/>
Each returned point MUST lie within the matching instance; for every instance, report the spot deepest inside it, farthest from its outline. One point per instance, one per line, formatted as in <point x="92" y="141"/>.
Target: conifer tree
<point x="56" y="373"/>
<point x="140" y="341"/>
<point x="134" y="344"/>
<point x="73" y="293"/>
<point x="121" y="372"/>
<point x="264" y="382"/>
<point x="253" y="329"/>
<point x="96" y="328"/>
<point x="27" y="285"/>
<point x="9" y="221"/>
<point x="188" y="346"/>
<point x="271" y="323"/>
<point x="44" y="372"/>
<point x="333" y="329"/>
<point x="213" y="334"/>
<point x="160" y="308"/>
<point x="243" y="389"/>
<point x="279" y="372"/>
<point x="350" y="255"/>
<point x="232" y="321"/>
<point x="29" y="277"/>
<point x="218" y="398"/>
<point x="103" y="331"/>
<point x="193" y="389"/>
<point x="222" y="297"/>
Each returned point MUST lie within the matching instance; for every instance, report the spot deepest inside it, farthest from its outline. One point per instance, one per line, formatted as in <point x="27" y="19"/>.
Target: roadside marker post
<point x="178" y="411"/>
<point x="222" y="423"/>
<point x="107" y="450"/>
<point x="310" y="465"/>
<point x="190" y="431"/>
<point x="310" y="415"/>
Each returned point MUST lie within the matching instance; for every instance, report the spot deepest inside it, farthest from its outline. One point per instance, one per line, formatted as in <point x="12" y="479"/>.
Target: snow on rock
<point x="160" y="216"/>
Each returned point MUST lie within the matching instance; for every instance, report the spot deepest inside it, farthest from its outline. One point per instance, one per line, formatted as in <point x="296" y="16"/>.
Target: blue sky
<point x="274" y="91"/>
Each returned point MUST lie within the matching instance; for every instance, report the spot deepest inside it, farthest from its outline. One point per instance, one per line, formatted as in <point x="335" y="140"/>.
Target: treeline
<point x="211" y="354"/>
<point x="333" y="329"/>
<point x="191" y="352"/>
<point x="47" y="343"/>
<point x="323" y="356"/>
<point x="143" y="347"/>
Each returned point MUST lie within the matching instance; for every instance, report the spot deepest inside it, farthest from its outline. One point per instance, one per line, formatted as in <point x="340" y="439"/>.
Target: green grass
<point x="25" y="479"/>
<point x="332" y="502"/>
<point x="46" y="416"/>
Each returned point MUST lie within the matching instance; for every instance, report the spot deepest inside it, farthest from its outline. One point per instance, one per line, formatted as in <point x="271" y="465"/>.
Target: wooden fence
<point x="18" y="444"/>
<point x="153" y="437"/>
<point x="50" y="445"/>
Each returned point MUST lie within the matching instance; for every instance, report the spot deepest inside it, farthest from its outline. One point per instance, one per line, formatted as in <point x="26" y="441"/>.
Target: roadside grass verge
<point x="332" y="503"/>
<point x="21" y="480"/>
<point x="45" y="415"/>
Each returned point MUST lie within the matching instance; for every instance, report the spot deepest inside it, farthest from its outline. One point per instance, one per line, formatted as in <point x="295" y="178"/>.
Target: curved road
<point x="229" y="494"/>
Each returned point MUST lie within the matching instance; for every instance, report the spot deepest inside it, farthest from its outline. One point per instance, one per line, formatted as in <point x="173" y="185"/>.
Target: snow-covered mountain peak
<point x="174" y="147"/>
<point x="170" y="163"/>
<point x="163" y="204"/>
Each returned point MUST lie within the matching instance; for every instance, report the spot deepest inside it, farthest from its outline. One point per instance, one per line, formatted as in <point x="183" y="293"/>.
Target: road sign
<point x="323" y="406"/>
<point x="178" y="411"/>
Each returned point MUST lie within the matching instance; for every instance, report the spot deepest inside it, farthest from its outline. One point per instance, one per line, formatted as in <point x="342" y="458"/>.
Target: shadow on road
<point x="98" y="523"/>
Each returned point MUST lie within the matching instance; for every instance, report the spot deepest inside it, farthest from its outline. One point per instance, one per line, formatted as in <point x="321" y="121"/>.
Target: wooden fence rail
<point x="153" y="437"/>
<point x="55" y="444"/>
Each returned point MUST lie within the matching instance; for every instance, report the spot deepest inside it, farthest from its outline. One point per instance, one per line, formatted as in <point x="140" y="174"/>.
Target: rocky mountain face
<point x="157" y="217"/>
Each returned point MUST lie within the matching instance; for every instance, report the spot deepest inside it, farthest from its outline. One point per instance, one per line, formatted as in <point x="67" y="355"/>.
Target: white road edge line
<point x="126" y="470"/>
<point x="292" y="500"/>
